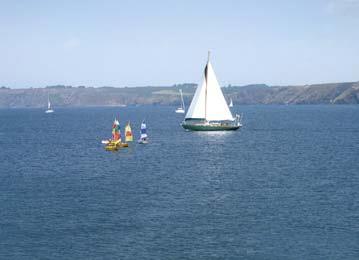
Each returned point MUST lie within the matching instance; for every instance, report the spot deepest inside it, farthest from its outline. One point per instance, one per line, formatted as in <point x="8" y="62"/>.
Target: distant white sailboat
<point x="181" y="109"/>
<point x="49" y="109"/>
<point x="209" y="110"/>
<point x="231" y="103"/>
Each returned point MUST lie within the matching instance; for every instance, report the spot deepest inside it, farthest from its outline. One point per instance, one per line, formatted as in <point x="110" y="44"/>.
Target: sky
<point x="137" y="43"/>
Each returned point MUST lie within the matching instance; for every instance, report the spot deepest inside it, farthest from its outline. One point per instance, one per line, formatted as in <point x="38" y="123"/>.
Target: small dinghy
<point x="143" y="138"/>
<point x="112" y="146"/>
<point x="115" y="143"/>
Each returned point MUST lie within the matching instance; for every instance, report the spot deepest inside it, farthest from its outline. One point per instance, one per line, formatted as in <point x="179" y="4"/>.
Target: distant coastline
<point x="83" y="96"/>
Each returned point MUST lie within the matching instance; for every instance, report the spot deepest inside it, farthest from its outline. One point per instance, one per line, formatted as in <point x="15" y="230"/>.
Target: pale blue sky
<point x="131" y="43"/>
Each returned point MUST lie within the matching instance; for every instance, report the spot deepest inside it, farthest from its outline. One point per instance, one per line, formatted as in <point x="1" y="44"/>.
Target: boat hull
<point x="111" y="146"/>
<point x="180" y="110"/>
<point x="209" y="127"/>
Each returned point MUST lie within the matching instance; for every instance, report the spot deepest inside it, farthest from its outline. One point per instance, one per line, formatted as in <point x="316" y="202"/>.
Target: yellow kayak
<point x="115" y="145"/>
<point x="111" y="146"/>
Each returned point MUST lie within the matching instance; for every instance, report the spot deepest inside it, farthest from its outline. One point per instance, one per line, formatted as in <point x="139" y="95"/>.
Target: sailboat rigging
<point x="209" y="110"/>
<point x="49" y="109"/>
<point x="181" y="109"/>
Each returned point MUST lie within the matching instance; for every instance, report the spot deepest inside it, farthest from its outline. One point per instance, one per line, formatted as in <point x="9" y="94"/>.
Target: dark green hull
<point x="200" y="127"/>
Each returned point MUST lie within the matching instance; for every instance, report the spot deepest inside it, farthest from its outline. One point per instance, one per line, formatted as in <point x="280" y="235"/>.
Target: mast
<point x="205" y="93"/>
<point x="209" y="103"/>
<point x="182" y="99"/>
<point x="48" y="102"/>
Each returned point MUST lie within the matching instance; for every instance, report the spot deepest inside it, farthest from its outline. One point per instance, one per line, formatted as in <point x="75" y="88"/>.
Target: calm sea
<point x="286" y="186"/>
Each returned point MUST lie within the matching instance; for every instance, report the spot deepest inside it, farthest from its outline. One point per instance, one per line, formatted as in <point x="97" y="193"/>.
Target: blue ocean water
<point x="286" y="186"/>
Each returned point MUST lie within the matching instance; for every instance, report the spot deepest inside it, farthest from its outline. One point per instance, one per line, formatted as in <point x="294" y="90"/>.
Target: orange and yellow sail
<point x="128" y="133"/>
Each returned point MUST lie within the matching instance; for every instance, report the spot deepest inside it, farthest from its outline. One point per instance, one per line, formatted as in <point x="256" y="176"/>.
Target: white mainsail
<point x="208" y="102"/>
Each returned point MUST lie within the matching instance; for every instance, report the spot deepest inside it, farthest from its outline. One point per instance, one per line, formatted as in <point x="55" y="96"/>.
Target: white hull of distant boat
<point x="49" y="111"/>
<point x="180" y="110"/>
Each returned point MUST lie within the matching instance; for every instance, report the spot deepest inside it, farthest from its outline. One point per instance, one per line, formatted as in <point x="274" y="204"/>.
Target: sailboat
<point x="143" y="138"/>
<point x="128" y="133"/>
<point x="231" y="103"/>
<point x="49" y="109"/>
<point x="115" y="143"/>
<point x="181" y="109"/>
<point x="209" y="110"/>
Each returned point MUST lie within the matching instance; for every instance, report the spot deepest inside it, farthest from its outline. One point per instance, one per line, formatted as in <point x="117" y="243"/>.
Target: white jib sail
<point x="216" y="108"/>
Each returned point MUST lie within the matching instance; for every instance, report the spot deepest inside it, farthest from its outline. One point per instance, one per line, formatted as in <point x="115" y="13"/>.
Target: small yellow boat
<point x="115" y="143"/>
<point x="112" y="146"/>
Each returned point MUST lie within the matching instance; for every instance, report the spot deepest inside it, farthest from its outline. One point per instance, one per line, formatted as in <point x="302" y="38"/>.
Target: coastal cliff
<point x="68" y="96"/>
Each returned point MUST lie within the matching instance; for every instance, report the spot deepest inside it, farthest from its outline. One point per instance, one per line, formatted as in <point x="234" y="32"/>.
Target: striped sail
<point x="116" y="133"/>
<point x="128" y="133"/>
<point x="143" y="130"/>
